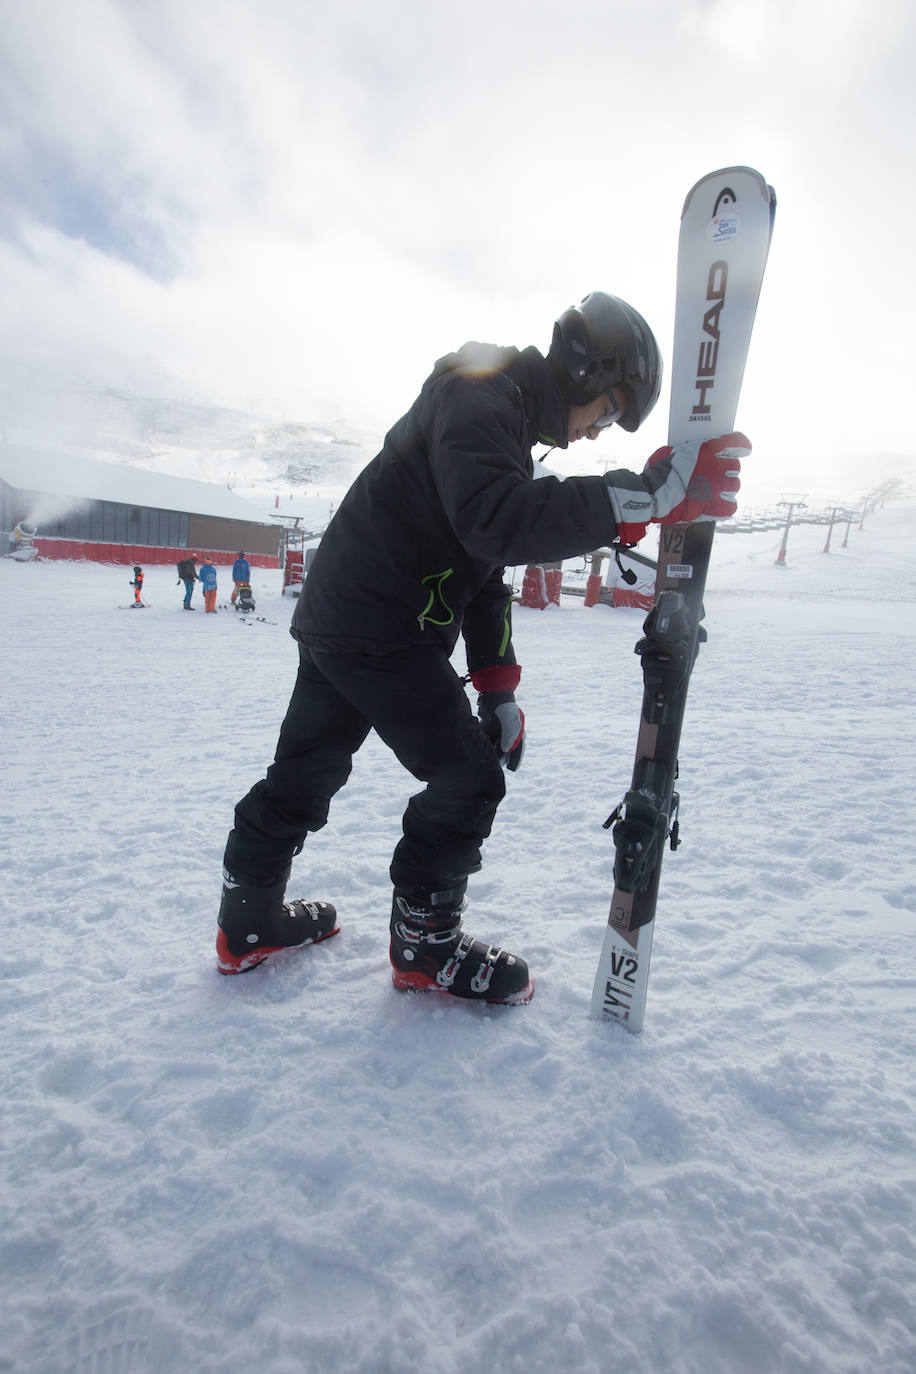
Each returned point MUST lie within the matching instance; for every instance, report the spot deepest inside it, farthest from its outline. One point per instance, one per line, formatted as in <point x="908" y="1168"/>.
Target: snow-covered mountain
<point x="187" y="438"/>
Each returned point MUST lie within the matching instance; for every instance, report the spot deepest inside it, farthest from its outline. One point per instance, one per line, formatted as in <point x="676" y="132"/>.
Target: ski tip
<point x="731" y="174"/>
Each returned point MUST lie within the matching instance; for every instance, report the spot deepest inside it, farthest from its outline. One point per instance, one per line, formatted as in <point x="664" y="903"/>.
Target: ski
<point x="723" y="244"/>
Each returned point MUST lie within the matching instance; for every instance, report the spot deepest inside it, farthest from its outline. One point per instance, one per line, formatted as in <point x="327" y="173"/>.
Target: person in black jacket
<point x="187" y="573"/>
<point x="415" y="557"/>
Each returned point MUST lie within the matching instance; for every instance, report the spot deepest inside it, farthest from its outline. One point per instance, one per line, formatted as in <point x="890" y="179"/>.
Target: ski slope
<point x="302" y="1171"/>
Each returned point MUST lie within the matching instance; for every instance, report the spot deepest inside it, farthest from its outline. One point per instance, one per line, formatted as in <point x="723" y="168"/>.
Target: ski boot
<point x="255" y="922"/>
<point x="429" y="952"/>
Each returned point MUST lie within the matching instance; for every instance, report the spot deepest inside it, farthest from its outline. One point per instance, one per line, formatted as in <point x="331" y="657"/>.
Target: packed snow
<point x="302" y="1171"/>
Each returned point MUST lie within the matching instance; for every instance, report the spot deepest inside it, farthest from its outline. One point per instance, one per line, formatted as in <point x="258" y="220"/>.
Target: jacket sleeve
<point x="487" y="626"/>
<point x="479" y="459"/>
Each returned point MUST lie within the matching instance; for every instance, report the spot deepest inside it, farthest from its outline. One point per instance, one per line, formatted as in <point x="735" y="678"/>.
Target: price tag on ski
<point x="724" y="239"/>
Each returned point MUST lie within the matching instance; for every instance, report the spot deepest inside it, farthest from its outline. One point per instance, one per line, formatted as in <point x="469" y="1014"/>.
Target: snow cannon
<point x="22" y="547"/>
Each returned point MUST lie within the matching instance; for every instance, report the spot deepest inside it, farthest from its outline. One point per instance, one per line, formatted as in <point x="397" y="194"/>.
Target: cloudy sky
<point x="296" y="205"/>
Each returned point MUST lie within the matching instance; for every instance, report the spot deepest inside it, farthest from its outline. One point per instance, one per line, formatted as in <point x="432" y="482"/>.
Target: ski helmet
<point x="603" y="342"/>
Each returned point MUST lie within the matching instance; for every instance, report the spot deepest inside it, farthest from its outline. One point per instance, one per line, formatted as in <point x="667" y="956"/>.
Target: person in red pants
<point x="207" y="577"/>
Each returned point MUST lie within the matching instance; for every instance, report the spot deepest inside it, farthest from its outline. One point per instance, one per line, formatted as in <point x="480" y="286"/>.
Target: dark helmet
<point x="603" y="342"/>
<point x="137" y="568"/>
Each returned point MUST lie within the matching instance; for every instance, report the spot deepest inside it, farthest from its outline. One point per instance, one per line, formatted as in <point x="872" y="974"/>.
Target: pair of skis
<point x="724" y="239"/>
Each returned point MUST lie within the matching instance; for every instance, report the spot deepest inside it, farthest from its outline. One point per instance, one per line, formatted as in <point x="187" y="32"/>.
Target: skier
<point x="187" y="573"/>
<point x="137" y="585"/>
<point x="208" y="582"/>
<point x="241" y="572"/>
<point x="413" y="557"/>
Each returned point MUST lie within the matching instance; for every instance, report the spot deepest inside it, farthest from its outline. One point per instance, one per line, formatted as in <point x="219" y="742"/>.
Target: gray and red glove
<point x="694" y="480"/>
<point x="501" y="719"/>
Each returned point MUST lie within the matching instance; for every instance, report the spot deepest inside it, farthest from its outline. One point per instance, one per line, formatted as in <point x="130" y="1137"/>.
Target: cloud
<point x="303" y="205"/>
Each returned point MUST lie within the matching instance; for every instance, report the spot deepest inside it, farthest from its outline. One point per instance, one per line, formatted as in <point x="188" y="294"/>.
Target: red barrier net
<point x="93" y="551"/>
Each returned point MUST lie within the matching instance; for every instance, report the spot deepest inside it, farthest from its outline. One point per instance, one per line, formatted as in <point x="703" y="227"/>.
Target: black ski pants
<point x="416" y="703"/>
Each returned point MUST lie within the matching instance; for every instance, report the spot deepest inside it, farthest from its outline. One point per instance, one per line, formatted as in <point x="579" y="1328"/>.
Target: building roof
<point x="59" y="475"/>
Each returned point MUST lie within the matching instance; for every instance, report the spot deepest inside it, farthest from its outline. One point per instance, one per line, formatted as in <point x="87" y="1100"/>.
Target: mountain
<point x="187" y="438"/>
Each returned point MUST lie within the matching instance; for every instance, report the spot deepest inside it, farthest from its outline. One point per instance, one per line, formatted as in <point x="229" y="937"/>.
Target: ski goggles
<point x="607" y="420"/>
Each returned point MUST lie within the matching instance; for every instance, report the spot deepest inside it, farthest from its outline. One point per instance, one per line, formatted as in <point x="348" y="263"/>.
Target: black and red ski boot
<point x="255" y="922"/>
<point x="429" y="952"/>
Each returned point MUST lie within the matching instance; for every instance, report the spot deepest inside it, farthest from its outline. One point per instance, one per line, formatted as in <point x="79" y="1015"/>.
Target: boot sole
<point x="420" y="982"/>
<point x="246" y="962"/>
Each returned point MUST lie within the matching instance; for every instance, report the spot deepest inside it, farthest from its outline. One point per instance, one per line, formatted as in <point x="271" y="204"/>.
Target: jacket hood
<point x="546" y="411"/>
<point x="474" y="360"/>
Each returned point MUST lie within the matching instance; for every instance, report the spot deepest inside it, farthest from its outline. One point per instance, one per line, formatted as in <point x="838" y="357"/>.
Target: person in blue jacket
<point x="241" y="572"/>
<point x="207" y="575"/>
<point x="413" y="558"/>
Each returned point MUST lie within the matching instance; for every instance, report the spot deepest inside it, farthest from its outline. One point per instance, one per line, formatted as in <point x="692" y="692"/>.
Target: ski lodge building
<point x="112" y="513"/>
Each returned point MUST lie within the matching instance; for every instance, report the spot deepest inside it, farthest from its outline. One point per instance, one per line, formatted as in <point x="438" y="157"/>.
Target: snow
<point x="303" y="1170"/>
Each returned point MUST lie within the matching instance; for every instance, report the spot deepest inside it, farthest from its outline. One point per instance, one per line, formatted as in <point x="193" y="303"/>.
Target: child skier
<point x="208" y="582"/>
<point x="414" y="557"/>
<point x="137" y="585"/>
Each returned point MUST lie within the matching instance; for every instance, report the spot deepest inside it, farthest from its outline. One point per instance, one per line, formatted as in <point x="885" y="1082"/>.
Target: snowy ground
<point x="303" y="1171"/>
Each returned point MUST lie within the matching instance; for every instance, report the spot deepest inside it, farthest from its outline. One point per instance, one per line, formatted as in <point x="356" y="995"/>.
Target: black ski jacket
<point x="417" y="549"/>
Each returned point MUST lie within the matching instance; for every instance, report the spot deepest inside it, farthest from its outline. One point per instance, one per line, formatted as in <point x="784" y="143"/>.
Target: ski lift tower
<point x="790" y="502"/>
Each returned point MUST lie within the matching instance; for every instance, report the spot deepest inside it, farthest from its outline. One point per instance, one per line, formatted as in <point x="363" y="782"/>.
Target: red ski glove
<point x="694" y="480"/>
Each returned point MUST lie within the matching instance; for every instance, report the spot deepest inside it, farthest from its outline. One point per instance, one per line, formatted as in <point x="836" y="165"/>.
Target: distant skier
<point x="208" y="582"/>
<point x="241" y="572"/>
<point x="187" y="573"/>
<point x="137" y="585"/>
<point x="413" y="557"/>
